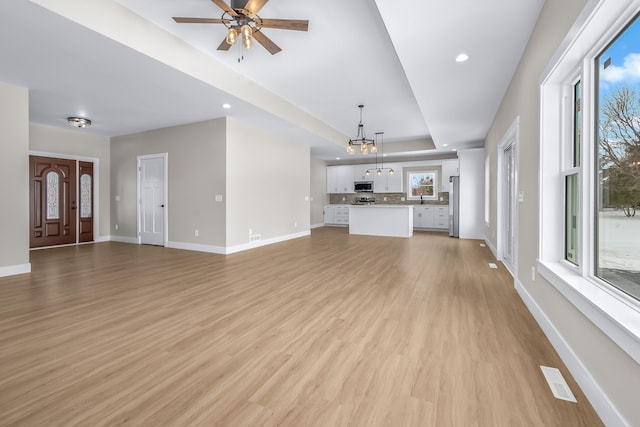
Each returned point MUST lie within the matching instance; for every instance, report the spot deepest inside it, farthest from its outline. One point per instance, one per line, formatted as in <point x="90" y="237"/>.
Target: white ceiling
<point x="397" y="61"/>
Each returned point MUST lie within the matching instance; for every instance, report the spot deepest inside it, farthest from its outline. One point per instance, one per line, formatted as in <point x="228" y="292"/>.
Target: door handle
<point x="162" y="206"/>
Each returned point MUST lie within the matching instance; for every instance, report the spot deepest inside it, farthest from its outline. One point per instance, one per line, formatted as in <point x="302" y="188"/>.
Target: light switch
<point x="117" y="198"/>
<point x="218" y="197"/>
<point x="521" y="196"/>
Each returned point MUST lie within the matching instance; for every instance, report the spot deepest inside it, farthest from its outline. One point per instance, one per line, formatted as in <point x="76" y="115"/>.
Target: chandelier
<point x="366" y="145"/>
<point x="381" y="168"/>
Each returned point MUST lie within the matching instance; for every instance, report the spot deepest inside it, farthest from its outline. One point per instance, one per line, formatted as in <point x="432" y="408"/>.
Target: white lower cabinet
<point x="434" y="217"/>
<point x="336" y="214"/>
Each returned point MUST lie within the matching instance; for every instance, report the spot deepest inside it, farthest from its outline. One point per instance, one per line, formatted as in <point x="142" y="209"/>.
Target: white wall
<point x="14" y="180"/>
<point x="319" y="196"/>
<point x="74" y="143"/>
<point x="471" y="193"/>
<point x="268" y="179"/>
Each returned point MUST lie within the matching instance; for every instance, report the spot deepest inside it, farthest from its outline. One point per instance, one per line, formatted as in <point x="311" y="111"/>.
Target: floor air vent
<point x="557" y="384"/>
<point x="492" y="265"/>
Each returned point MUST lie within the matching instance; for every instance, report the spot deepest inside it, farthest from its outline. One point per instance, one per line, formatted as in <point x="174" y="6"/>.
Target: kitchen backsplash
<point x="391" y="199"/>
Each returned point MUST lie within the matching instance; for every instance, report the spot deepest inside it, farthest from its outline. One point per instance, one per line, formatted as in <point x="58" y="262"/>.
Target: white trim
<point x="101" y="239"/>
<point x="490" y="246"/>
<point x="614" y="313"/>
<point x="124" y="239"/>
<point x="316" y="225"/>
<point x="96" y="186"/>
<point x="165" y="226"/>
<point x="12" y="270"/>
<point x="197" y="247"/>
<point x="596" y="396"/>
<point x="258" y="243"/>
<point x="510" y="138"/>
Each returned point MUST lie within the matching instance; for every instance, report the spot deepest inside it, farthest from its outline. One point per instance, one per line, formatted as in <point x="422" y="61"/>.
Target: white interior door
<point x="152" y="185"/>
<point x="508" y="174"/>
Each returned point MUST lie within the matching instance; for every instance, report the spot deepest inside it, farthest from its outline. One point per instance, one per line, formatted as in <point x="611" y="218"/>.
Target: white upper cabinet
<point x="359" y="172"/>
<point x="340" y="179"/>
<point x="449" y="168"/>
<point x="386" y="183"/>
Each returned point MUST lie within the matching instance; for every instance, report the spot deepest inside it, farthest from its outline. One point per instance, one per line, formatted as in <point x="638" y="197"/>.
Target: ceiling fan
<point x="242" y="20"/>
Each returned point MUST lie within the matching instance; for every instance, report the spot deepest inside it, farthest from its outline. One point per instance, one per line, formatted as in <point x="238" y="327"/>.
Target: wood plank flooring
<point x="326" y="330"/>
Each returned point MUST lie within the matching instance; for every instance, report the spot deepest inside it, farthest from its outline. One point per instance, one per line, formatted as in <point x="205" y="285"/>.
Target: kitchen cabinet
<point x="340" y="179"/>
<point x="329" y="214"/>
<point x="432" y="217"/>
<point x="387" y="183"/>
<point x="449" y="168"/>
<point x="359" y="172"/>
<point x="336" y="214"/>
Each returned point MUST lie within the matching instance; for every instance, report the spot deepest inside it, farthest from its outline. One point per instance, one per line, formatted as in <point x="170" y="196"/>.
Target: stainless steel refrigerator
<point x="454" y="206"/>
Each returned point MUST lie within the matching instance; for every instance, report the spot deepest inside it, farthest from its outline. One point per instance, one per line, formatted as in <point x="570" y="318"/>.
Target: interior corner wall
<point x="78" y="143"/>
<point x="196" y="174"/>
<point x="319" y="196"/>
<point x="614" y="372"/>
<point x="471" y="212"/>
<point x="14" y="179"/>
<point x="268" y="179"/>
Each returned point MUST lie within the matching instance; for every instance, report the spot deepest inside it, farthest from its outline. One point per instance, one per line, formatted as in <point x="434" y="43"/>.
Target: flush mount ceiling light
<point x="462" y="57"/>
<point x="79" y="122"/>
<point x="242" y="22"/>
<point x="226" y="106"/>
<point x="365" y="144"/>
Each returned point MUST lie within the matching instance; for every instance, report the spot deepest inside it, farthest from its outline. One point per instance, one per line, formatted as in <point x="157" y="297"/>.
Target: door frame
<point x="96" y="190"/>
<point x="165" y="189"/>
<point x="510" y="138"/>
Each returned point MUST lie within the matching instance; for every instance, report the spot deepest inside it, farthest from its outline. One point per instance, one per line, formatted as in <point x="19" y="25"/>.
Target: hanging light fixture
<point x="79" y="122"/>
<point x="381" y="168"/>
<point x="365" y="144"/>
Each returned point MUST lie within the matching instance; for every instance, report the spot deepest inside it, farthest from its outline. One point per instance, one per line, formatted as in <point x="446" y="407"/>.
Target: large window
<point x="590" y="170"/>
<point x="618" y="162"/>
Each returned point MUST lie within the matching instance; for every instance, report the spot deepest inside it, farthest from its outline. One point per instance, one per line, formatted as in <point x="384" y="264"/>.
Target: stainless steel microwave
<point x="363" y="186"/>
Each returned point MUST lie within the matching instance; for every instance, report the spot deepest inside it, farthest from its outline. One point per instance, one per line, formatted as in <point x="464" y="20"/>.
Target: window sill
<point x="617" y="318"/>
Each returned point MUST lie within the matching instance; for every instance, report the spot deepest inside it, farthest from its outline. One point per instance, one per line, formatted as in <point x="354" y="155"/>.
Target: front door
<point x="151" y="181"/>
<point x="85" y="189"/>
<point x="52" y="201"/>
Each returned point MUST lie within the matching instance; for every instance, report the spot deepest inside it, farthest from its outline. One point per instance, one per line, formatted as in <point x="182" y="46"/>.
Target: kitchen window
<point x="589" y="174"/>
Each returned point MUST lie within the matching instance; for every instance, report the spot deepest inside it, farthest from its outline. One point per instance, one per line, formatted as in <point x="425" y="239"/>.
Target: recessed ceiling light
<point x="462" y="57"/>
<point x="445" y="145"/>
<point x="453" y="149"/>
<point x="227" y="106"/>
<point x="337" y="158"/>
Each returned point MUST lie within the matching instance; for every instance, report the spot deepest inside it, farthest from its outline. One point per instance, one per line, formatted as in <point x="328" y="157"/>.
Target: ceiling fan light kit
<point x="242" y="21"/>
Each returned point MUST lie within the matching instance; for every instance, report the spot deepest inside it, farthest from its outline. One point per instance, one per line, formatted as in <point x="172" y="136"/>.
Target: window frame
<point x="613" y="311"/>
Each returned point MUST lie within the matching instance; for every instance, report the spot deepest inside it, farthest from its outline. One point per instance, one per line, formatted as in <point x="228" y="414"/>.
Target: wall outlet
<point x="218" y="197"/>
<point x="196" y="232"/>
<point x="385" y="199"/>
<point x="533" y="274"/>
<point x="250" y="232"/>
<point x="441" y="199"/>
<point x="344" y="198"/>
<point x="402" y="199"/>
<point x="295" y="224"/>
<point x="306" y="198"/>
<point x="116" y="227"/>
<point x="117" y="198"/>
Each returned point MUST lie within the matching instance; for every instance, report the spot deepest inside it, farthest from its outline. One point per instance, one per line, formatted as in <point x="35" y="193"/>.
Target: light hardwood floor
<point x="327" y="330"/>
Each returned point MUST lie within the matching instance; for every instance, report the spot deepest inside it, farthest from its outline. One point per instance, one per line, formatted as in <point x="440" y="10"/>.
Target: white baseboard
<point x="490" y="246"/>
<point x="317" y="225"/>
<point x="197" y="247"/>
<point x="258" y="243"/>
<point x="101" y="239"/>
<point x="596" y="396"/>
<point x="12" y="270"/>
<point x="123" y="239"/>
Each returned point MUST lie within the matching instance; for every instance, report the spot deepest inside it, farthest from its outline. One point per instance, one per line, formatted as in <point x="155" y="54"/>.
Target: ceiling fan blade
<point x="222" y="5"/>
<point x="254" y="6"/>
<point x="224" y="45"/>
<point x="266" y="42"/>
<point x="286" y="24"/>
<point x="181" y="20"/>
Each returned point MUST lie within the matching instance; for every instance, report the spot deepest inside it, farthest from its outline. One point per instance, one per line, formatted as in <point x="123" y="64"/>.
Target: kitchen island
<point x="381" y="220"/>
